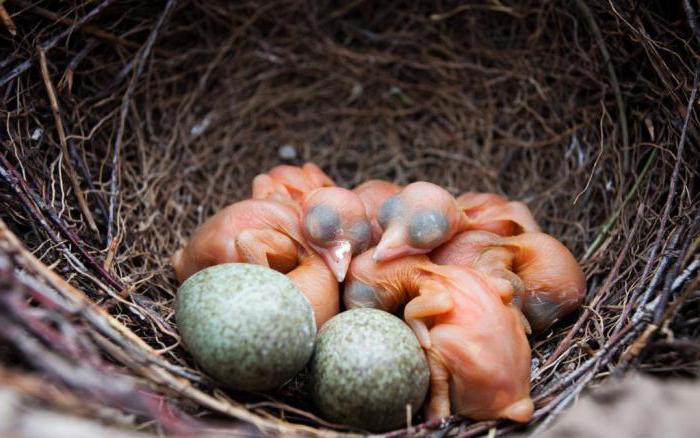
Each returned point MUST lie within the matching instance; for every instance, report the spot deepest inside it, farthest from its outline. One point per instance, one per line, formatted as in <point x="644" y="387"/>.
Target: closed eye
<point x="322" y="224"/>
<point x="389" y="209"/>
<point x="361" y="235"/>
<point x="427" y="228"/>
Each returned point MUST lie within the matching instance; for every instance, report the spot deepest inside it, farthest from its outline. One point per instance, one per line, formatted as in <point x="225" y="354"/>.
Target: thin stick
<point x="602" y="292"/>
<point x="120" y="390"/>
<point x="91" y="312"/>
<point x="669" y="249"/>
<point x="611" y="220"/>
<point x="674" y="176"/>
<point x="692" y="19"/>
<point x="124" y="111"/>
<point x="588" y="15"/>
<point x="149" y="363"/>
<point x="660" y="315"/>
<point x="49" y="44"/>
<point x="88" y="29"/>
<point x="87" y="177"/>
<point x="673" y="275"/>
<point x="6" y="20"/>
<point x="13" y="181"/>
<point x="66" y="80"/>
<point x="62" y="139"/>
<point x="22" y="186"/>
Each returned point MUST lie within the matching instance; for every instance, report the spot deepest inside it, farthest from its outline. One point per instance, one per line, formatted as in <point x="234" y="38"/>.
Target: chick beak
<point x="337" y="257"/>
<point x="393" y="245"/>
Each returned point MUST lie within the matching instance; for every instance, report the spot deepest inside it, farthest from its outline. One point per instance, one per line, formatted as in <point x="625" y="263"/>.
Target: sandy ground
<point x="638" y="407"/>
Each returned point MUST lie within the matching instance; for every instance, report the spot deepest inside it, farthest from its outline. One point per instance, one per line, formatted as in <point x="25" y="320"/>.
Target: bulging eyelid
<point x="361" y="234"/>
<point x="388" y="210"/>
<point x="322" y="223"/>
<point x="427" y="228"/>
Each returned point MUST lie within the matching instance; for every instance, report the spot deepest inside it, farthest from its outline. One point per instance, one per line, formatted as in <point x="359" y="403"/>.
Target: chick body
<point x="475" y="342"/>
<point x="547" y="280"/>
<point x="266" y="233"/>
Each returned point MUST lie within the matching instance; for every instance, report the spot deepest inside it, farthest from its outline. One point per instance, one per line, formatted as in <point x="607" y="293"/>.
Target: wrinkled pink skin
<point x="279" y="227"/>
<point x="266" y="233"/>
<point x="473" y="336"/>
<point x="402" y="234"/>
<point x="307" y="187"/>
<point x="401" y="237"/>
<point x="547" y="280"/>
<point x="373" y="193"/>
<point x="352" y="233"/>
<point x="287" y="182"/>
<point x="494" y="213"/>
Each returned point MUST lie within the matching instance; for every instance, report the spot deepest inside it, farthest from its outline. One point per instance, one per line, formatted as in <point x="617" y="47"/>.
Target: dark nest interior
<point x="126" y="124"/>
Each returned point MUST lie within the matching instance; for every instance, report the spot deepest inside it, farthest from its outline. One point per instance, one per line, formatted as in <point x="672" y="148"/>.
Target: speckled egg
<point x="248" y="326"/>
<point x="366" y="368"/>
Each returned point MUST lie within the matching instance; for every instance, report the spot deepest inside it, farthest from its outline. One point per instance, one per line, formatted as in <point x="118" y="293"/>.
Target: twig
<point x="66" y="80"/>
<point x="674" y="274"/>
<point x="613" y="78"/>
<point x="12" y="180"/>
<point x="119" y="390"/>
<point x="6" y="20"/>
<point x="62" y="139"/>
<point x="8" y="59"/>
<point x="426" y="425"/>
<point x="559" y="405"/>
<point x="692" y="19"/>
<point x="49" y="44"/>
<point x="660" y="315"/>
<point x="637" y="300"/>
<point x="611" y="220"/>
<point x="479" y="428"/>
<point x="124" y="111"/>
<point x="59" y="396"/>
<point x="148" y="363"/>
<point x="91" y="312"/>
<point x="674" y="176"/>
<point x="610" y="347"/>
<point x="88" y="29"/>
<point x="87" y="177"/>
<point x="22" y="186"/>
<point x="602" y="292"/>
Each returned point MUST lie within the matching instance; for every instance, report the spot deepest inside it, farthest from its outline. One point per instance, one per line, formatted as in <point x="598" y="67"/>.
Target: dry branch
<point x="62" y="139"/>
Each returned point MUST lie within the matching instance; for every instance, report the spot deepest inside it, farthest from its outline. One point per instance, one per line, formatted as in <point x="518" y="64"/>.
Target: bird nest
<point x="126" y="124"/>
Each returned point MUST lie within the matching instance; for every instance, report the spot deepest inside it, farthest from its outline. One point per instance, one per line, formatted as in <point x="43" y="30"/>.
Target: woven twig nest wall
<point x="126" y="124"/>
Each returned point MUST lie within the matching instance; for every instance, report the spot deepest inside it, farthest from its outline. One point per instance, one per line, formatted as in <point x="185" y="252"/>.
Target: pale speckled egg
<point x="366" y="368"/>
<point x="247" y="326"/>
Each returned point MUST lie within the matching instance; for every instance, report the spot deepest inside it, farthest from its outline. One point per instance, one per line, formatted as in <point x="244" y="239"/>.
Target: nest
<point x="125" y="125"/>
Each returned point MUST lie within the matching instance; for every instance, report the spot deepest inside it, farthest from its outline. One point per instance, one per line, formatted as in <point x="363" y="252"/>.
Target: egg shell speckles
<point x="248" y="326"/>
<point x="367" y="366"/>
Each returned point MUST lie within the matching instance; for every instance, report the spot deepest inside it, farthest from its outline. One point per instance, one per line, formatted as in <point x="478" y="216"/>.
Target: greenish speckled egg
<point x="247" y="326"/>
<point x="366" y="368"/>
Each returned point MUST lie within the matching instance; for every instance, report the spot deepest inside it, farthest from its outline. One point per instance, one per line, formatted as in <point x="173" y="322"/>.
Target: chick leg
<point x="506" y="283"/>
<point x="264" y="187"/>
<point x="497" y="261"/>
<point x="319" y="285"/>
<point x="267" y="248"/>
<point x="438" y="405"/>
<point x="433" y="300"/>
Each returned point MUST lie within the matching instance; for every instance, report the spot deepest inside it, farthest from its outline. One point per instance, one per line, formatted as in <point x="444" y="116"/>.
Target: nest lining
<point x="154" y="116"/>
